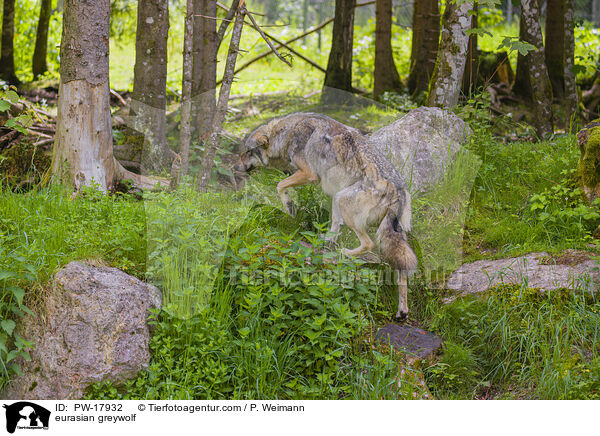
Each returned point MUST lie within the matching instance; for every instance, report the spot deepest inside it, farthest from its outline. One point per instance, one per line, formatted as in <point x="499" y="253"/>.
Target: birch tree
<point x="447" y="77"/>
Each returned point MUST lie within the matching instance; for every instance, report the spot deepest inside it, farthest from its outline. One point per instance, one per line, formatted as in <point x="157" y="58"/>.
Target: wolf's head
<point x="254" y="150"/>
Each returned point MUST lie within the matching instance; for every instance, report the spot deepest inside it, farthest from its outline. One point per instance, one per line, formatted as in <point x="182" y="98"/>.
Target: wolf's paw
<point x="401" y="315"/>
<point x="291" y="208"/>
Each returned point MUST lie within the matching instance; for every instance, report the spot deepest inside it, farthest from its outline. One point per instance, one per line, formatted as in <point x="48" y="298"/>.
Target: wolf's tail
<point x="391" y="236"/>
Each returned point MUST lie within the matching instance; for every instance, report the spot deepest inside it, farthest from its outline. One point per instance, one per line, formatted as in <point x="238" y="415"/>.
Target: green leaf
<point x="4" y="105"/>
<point x="18" y="293"/>
<point x="12" y="96"/>
<point x="8" y="325"/>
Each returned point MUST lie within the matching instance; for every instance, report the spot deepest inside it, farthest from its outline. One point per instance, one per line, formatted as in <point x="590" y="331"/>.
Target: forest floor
<point x="510" y="342"/>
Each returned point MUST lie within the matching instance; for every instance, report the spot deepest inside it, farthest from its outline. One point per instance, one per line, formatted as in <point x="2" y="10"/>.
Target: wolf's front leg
<point x="300" y="177"/>
<point x="336" y="221"/>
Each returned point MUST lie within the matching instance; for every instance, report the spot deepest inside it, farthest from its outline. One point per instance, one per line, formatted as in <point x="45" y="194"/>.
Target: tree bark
<point x="339" y="65"/>
<point x="471" y="75"/>
<point x="83" y="149"/>
<point x="522" y="85"/>
<point x="204" y="74"/>
<point x="425" y="44"/>
<point x="571" y="97"/>
<point x="7" y="58"/>
<point x="538" y="74"/>
<point x="386" y="74"/>
<point x="210" y="150"/>
<point x="554" y="50"/>
<point x="148" y="101"/>
<point x="39" y="65"/>
<point x="450" y="65"/>
<point x="187" y="86"/>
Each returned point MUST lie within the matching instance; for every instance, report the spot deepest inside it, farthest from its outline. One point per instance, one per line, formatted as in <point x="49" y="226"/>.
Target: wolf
<point x="366" y="189"/>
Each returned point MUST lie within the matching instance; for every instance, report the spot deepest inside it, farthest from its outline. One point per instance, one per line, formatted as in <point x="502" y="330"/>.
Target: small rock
<point x="418" y="343"/>
<point x="94" y="328"/>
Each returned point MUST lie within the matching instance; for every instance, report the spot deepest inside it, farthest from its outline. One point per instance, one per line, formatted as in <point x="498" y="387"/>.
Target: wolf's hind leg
<point x="353" y="203"/>
<point x="300" y="177"/>
<point x="402" y="295"/>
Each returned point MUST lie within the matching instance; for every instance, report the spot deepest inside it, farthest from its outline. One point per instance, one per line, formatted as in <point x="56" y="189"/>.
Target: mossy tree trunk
<point x="446" y="82"/>
<point x="148" y="102"/>
<point x="589" y="160"/>
<point x="386" y="74"/>
<point x="541" y="92"/>
<point x="204" y="70"/>
<point x="39" y="65"/>
<point x="7" y="58"/>
<point x="339" y="66"/>
<point x="425" y="44"/>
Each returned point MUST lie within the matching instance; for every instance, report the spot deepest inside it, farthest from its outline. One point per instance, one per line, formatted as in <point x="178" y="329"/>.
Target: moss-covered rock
<point x="589" y="160"/>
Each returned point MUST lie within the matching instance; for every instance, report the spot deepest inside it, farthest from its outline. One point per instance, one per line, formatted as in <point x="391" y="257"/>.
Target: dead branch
<point x="267" y="40"/>
<point x="118" y="97"/>
<point x="228" y="18"/>
<point x="44" y="142"/>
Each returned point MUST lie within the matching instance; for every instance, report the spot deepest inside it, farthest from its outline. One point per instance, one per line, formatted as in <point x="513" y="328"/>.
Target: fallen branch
<point x="118" y="97"/>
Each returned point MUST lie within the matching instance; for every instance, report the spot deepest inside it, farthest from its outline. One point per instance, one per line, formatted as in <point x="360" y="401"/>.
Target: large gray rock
<point x="422" y="144"/>
<point x="573" y="270"/>
<point x="94" y="328"/>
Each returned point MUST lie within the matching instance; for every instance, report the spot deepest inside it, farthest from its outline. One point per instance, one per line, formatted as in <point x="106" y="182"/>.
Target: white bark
<point x="446" y="81"/>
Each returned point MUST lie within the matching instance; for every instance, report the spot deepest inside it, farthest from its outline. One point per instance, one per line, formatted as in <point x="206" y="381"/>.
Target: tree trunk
<point x="522" y="85"/>
<point x="187" y="86"/>
<point x="83" y="149"/>
<point x="509" y="12"/>
<point x="569" y="61"/>
<point x="204" y="74"/>
<point x="39" y="65"/>
<point x="7" y="58"/>
<point x="339" y="65"/>
<point x="425" y="44"/>
<point x="450" y="65"/>
<point x="554" y="49"/>
<point x="148" y="101"/>
<point x="210" y="150"/>
<point x="596" y="12"/>
<point x="386" y="74"/>
<point x="471" y="75"/>
<point x="538" y="74"/>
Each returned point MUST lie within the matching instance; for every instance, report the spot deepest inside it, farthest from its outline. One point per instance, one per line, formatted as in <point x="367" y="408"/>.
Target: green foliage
<point x="21" y="122"/>
<point x="564" y="209"/>
<point x="522" y="336"/>
<point x="512" y="43"/>
<point x="456" y="375"/>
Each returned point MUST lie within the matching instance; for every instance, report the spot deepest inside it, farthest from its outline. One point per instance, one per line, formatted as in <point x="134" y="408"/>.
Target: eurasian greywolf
<point x="366" y="188"/>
